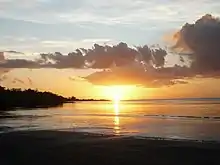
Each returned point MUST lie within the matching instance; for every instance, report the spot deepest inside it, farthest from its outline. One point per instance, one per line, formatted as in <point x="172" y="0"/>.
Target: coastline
<point x="62" y="147"/>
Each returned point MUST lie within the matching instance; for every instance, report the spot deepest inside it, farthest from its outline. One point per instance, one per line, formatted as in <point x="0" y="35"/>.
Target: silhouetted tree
<point x="14" y="98"/>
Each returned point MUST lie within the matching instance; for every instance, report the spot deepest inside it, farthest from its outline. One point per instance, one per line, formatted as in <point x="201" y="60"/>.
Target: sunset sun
<point x="116" y="97"/>
<point x="117" y="92"/>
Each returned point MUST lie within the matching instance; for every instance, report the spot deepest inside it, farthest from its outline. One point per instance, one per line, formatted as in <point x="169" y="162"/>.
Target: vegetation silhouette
<point x="90" y="100"/>
<point x="17" y="98"/>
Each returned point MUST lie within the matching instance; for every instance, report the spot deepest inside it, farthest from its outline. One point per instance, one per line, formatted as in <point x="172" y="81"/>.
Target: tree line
<point x="18" y="98"/>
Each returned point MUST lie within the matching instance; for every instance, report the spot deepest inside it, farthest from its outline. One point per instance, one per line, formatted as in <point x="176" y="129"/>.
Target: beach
<point x="173" y="132"/>
<point x="62" y="147"/>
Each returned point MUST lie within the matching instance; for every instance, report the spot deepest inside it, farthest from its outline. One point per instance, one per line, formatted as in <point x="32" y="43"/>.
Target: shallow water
<point x="197" y="119"/>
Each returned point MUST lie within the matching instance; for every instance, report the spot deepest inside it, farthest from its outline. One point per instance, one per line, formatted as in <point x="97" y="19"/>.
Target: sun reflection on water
<point x="116" y="118"/>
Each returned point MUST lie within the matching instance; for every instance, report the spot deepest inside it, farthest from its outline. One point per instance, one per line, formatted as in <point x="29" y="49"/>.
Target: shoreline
<point x="11" y="130"/>
<point x="63" y="147"/>
<point x="57" y="132"/>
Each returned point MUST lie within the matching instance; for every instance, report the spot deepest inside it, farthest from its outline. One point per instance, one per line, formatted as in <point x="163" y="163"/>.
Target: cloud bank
<point x="120" y="64"/>
<point x="199" y="43"/>
<point x="98" y="57"/>
<point x="202" y="42"/>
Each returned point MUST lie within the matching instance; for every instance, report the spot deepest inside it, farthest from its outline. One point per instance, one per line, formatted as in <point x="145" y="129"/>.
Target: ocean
<point x="190" y="119"/>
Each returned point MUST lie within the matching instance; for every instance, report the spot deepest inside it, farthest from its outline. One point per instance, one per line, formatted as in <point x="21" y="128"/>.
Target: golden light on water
<point x="116" y="93"/>
<point x="116" y="107"/>
<point x="116" y="118"/>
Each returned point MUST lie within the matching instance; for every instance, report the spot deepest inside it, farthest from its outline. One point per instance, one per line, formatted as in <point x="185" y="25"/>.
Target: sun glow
<point x="117" y="93"/>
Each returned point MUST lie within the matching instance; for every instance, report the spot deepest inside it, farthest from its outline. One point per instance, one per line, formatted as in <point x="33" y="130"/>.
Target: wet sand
<point x="59" y="147"/>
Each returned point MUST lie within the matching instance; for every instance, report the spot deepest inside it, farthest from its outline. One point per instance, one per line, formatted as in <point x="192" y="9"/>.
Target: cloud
<point x="97" y="11"/>
<point x="72" y="79"/>
<point x="106" y="56"/>
<point x="30" y="81"/>
<point x="2" y="57"/>
<point x="122" y="64"/>
<point x="136" y="74"/>
<point x="201" y="44"/>
<point x="18" y="80"/>
<point x="19" y="63"/>
<point x="102" y="57"/>
<point x="50" y="60"/>
<point x="76" y="78"/>
<point x="2" y="70"/>
<point x="98" y="57"/>
<point x="198" y="43"/>
<point x="14" y="52"/>
<point x="142" y="66"/>
<point x="152" y="56"/>
<point x="2" y="74"/>
<point x="58" y="60"/>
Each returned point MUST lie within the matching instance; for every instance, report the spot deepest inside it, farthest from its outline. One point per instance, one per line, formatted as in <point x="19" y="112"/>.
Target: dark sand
<point x="64" y="148"/>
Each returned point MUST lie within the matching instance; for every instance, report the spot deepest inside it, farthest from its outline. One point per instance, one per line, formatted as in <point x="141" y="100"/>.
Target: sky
<point x="142" y="48"/>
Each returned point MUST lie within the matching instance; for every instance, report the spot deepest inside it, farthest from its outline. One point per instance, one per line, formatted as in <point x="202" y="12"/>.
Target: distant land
<point x="17" y="98"/>
<point x="89" y="100"/>
<point x="177" y="99"/>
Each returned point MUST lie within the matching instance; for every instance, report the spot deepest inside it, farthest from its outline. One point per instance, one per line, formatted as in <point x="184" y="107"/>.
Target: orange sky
<point x="58" y="81"/>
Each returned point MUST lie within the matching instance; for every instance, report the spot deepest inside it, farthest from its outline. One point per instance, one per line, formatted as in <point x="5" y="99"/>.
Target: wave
<point x="186" y="117"/>
<point x="149" y="116"/>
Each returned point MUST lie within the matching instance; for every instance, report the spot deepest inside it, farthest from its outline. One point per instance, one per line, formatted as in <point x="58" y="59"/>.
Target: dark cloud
<point x="50" y="60"/>
<point x="13" y="52"/>
<point x="146" y="69"/>
<point x="4" y="77"/>
<point x="99" y="56"/>
<point x="58" y="60"/>
<point x="2" y="57"/>
<point x="150" y="56"/>
<point x="142" y="66"/>
<point x="72" y="79"/>
<point x="19" y="63"/>
<point x="30" y="81"/>
<point x="106" y="56"/>
<point x="3" y="71"/>
<point x="136" y="74"/>
<point x="78" y="78"/>
<point x="121" y="65"/>
<point x="201" y="43"/>
<point x="102" y="57"/>
<point x="15" y="80"/>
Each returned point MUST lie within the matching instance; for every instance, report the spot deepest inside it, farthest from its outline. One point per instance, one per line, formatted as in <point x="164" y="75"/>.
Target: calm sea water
<point x="197" y="119"/>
